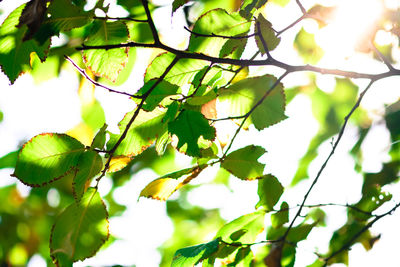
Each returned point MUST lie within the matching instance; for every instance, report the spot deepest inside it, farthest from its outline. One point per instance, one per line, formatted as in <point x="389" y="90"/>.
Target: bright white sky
<point x="30" y="109"/>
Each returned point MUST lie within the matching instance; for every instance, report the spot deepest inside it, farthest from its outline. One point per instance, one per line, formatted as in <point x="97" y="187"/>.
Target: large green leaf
<point x="243" y="162"/>
<point x="80" y="230"/>
<point x="190" y="256"/>
<point x="241" y="97"/>
<point x="89" y="165"/>
<point x="47" y="157"/>
<point x="218" y="22"/>
<point x="188" y="127"/>
<point x="269" y="191"/>
<point x="62" y="15"/>
<point x="181" y="73"/>
<point x="14" y="53"/>
<point x="142" y="133"/>
<point x="244" y="229"/>
<point x="107" y="62"/>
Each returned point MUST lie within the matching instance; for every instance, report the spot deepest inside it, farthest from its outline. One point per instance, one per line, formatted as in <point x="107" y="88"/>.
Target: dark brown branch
<point x="340" y="135"/>
<point x="84" y="74"/>
<point x="219" y="36"/>
<point x="153" y="29"/>
<point x="383" y="58"/>
<point x="263" y="42"/>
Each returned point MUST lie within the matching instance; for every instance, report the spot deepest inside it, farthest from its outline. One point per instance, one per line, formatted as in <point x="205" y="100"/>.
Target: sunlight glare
<point x="352" y="23"/>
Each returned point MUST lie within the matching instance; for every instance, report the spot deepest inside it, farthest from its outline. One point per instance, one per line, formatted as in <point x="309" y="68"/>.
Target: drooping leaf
<point x="280" y="217"/>
<point x="158" y="93"/>
<point x="106" y="62"/>
<point x="241" y="97"/>
<point x="269" y="191"/>
<point x="190" y="256"/>
<point x="14" y="53"/>
<point x="89" y="165"/>
<point x="243" y="162"/>
<point x="181" y="73"/>
<point x="188" y="127"/>
<point x="62" y="15"/>
<point x="268" y="35"/>
<point x="143" y="132"/>
<point x="46" y="158"/>
<point x="163" y="187"/>
<point x="80" y="230"/>
<point x="219" y="22"/>
<point x="244" y="229"/>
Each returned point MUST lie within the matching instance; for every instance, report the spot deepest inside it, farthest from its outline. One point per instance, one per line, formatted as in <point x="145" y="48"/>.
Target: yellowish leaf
<point x="118" y="163"/>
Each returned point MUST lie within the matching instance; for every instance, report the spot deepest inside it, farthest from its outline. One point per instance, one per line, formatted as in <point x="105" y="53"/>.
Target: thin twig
<point x="218" y="35"/>
<point x="151" y="22"/>
<point x="383" y="58"/>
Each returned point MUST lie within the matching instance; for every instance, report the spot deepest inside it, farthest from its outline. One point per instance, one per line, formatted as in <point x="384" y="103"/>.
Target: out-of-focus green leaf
<point x="280" y="2"/>
<point x="106" y="63"/>
<point x="244" y="229"/>
<point x="268" y="35"/>
<point x="306" y="46"/>
<point x="243" y="258"/>
<point x="280" y="217"/>
<point x="9" y="160"/>
<point x="46" y="158"/>
<point x="80" y="230"/>
<point x="14" y="53"/>
<point x="89" y="165"/>
<point x="188" y="127"/>
<point x="239" y="98"/>
<point x="190" y="256"/>
<point x="269" y="191"/>
<point x="142" y="133"/>
<point x="100" y="139"/>
<point x="43" y="71"/>
<point x="93" y="115"/>
<point x="243" y="162"/>
<point x="219" y="22"/>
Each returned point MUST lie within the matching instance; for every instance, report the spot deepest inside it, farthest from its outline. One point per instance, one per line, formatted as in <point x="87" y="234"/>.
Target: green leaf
<point x="243" y="162"/>
<point x="106" y="62"/>
<point x="243" y="258"/>
<point x="219" y="22"/>
<point x="280" y="217"/>
<point x="307" y="47"/>
<point x="9" y="160"/>
<point x="190" y="256"/>
<point x="188" y="127"/>
<point x="14" y="53"/>
<point x="267" y="33"/>
<point x="269" y="191"/>
<point x="46" y="158"/>
<point x="244" y="229"/>
<point x="80" y="230"/>
<point x="93" y="115"/>
<point x="62" y="16"/>
<point x="239" y="98"/>
<point x="100" y="139"/>
<point x="177" y="4"/>
<point x="89" y="165"/>
<point x="183" y="72"/>
<point x="280" y="2"/>
<point x="142" y="133"/>
<point x="249" y="7"/>
<point x="161" y="91"/>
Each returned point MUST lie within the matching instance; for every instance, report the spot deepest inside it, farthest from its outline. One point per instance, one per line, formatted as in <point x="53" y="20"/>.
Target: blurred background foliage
<point x="26" y="219"/>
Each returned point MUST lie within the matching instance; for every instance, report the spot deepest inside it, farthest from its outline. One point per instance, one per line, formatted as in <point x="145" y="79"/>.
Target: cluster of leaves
<point x="184" y="96"/>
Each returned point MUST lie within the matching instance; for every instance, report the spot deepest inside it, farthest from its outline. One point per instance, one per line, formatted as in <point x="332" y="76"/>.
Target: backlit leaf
<point x="281" y="216"/>
<point x="241" y="97"/>
<point x="188" y="127"/>
<point x="118" y="163"/>
<point x="268" y="35"/>
<point x="243" y="258"/>
<point x="106" y="62"/>
<point x="269" y="191"/>
<point x="190" y="256"/>
<point x="80" y="230"/>
<point x="162" y="90"/>
<point x="14" y="53"/>
<point x="142" y="133"/>
<point x="177" y="4"/>
<point x="307" y="47"/>
<point x="244" y="229"/>
<point x="243" y="162"/>
<point x="47" y="157"/>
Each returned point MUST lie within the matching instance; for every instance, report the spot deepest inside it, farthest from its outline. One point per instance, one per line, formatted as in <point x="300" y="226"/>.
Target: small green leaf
<point x="89" y="165"/>
<point x="188" y="127"/>
<point x="106" y="62"/>
<point x="143" y="132"/>
<point x="269" y="191"/>
<point x="80" y="230"/>
<point x="241" y="97"/>
<point x="249" y="7"/>
<point x="307" y="47"/>
<point x="14" y="53"/>
<point x="190" y="256"/>
<point x="244" y="229"/>
<point x="267" y="34"/>
<point x="9" y="160"/>
<point x="280" y="217"/>
<point x="46" y="158"/>
<point x="93" y="115"/>
<point x="243" y="162"/>
<point x="161" y="91"/>
<point x="243" y="258"/>
<point x="100" y="139"/>
<point x="177" y="4"/>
